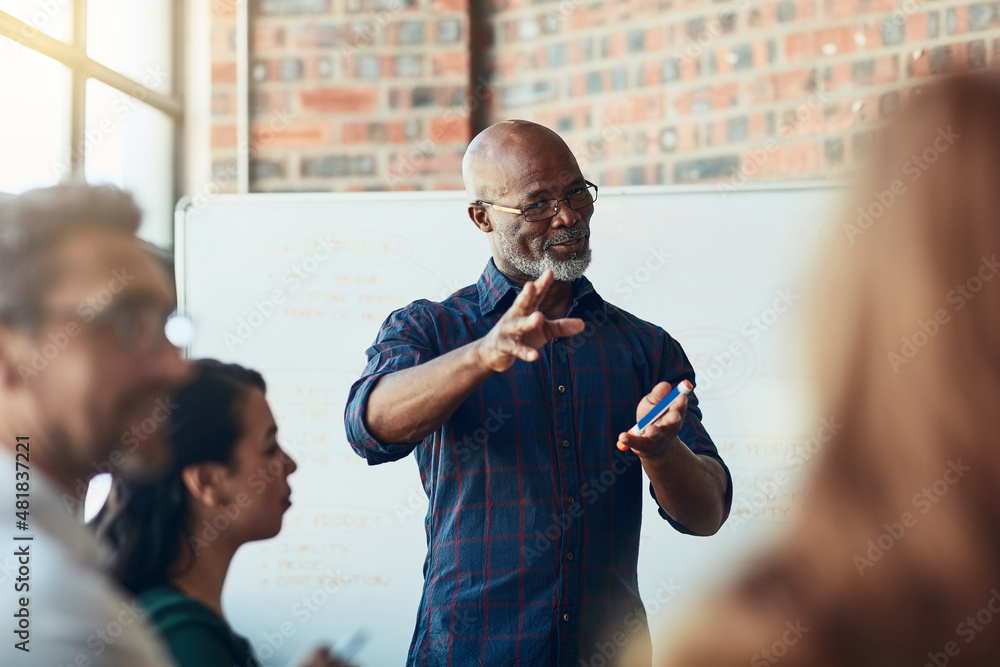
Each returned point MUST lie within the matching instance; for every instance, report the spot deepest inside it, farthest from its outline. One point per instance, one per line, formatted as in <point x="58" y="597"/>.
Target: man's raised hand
<point x="523" y="329"/>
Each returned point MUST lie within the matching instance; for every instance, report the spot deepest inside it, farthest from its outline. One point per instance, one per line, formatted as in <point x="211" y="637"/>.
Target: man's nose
<point x="565" y="216"/>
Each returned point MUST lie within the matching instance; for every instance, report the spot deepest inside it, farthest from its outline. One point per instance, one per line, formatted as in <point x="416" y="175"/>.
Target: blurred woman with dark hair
<point x="174" y="539"/>
<point x="895" y="556"/>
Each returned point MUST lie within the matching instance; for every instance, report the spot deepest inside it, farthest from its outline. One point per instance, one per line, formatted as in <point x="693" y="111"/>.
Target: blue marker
<point x="683" y="389"/>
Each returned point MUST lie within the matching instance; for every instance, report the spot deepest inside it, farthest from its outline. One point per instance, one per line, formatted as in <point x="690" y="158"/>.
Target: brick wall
<point x="351" y="94"/>
<point x="375" y="94"/>
<point x="683" y="91"/>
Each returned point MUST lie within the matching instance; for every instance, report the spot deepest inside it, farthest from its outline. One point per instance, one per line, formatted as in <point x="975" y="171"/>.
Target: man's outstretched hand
<point x="523" y="329"/>
<point x="657" y="437"/>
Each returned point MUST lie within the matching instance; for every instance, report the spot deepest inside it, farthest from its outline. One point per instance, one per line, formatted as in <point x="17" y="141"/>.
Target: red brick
<point x="450" y="5"/>
<point x="916" y="27"/>
<point x="794" y="160"/>
<point x="842" y="75"/>
<point x="263" y="38"/>
<point x="451" y="63"/>
<point x="962" y="14"/>
<point x="224" y="72"/>
<point x="719" y="136"/>
<point x="722" y="64"/>
<point x="653" y="39"/>
<point x="682" y="101"/>
<point x="687" y="137"/>
<point x="223" y="136"/>
<point x="757" y="126"/>
<point x="299" y="134"/>
<point x="271" y="102"/>
<point x="338" y="100"/>
<point x="449" y="129"/>
<point x="616" y="47"/>
<point x="354" y="132"/>
<point x="688" y="68"/>
<point x="887" y="69"/>
<point x="448" y="185"/>
<point x="810" y="44"/>
<point x="834" y="8"/>
<point x="762" y="90"/>
<point x="725" y="95"/>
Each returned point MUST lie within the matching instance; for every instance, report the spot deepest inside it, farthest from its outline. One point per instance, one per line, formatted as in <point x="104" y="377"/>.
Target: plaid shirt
<point x="534" y="515"/>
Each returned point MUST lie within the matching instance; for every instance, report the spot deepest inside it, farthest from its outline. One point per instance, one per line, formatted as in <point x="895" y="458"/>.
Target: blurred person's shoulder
<point x="52" y="577"/>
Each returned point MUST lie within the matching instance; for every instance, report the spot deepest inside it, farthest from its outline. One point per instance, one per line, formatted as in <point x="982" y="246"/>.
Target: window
<point x="89" y="89"/>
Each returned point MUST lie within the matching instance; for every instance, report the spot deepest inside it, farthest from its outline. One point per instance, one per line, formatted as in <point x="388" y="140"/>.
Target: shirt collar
<point x="494" y="287"/>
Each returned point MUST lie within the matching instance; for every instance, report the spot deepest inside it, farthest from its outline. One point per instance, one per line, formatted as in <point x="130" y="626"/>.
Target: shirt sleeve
<point x="676" y="367"/>
<point x="405" y="340"/>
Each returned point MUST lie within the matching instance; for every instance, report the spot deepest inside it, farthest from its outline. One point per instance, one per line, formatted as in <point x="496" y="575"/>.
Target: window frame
<point x="73" y="54"/>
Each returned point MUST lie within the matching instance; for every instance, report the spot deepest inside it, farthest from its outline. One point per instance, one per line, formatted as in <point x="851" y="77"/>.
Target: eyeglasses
<point x="549" y="208"/>
<point x="140" y="327"/>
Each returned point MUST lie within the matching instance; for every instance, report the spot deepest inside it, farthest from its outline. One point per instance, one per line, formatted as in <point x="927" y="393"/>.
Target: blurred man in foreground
<point x="86" y="376"/>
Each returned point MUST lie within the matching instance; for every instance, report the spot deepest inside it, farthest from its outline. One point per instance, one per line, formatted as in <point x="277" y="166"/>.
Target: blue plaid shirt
<point x="534" y="515"/>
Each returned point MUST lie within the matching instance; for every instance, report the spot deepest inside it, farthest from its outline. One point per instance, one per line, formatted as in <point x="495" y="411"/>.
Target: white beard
<point x="566" y="270"/>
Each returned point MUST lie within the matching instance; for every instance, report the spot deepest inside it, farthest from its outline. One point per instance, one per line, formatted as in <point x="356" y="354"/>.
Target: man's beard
<point x="566" y="270"/>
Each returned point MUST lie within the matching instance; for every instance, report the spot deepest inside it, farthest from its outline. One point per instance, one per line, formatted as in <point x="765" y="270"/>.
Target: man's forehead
<point x="96" y="259"/>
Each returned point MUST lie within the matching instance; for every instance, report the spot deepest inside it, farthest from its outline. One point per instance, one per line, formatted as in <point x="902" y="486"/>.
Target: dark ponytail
<point x="144" y="522"/>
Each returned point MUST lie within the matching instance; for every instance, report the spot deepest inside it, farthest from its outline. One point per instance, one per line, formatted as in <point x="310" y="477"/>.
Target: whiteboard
<point x="297" y="285"/>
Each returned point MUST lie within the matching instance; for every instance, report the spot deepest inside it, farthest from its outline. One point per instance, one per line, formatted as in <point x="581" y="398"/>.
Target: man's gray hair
<point x="33" y="222"/>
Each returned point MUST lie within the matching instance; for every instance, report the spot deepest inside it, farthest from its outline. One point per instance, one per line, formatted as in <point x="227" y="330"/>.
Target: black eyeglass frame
<point x="550" y="203"/>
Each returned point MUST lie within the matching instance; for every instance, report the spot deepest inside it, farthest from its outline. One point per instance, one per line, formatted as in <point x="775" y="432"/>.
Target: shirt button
<point x="562" y="389"/>
<point x="569" y="556"/>
<point x="572" y="500"/>
<point x="565" y="443"/>
<point x="565" y="617"/>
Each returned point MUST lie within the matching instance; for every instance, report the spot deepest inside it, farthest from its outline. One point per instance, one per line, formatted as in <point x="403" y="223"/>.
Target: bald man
<point x="513" y="393"/>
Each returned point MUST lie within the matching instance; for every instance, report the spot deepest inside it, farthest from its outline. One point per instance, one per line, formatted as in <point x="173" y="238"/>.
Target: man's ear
<point x="203" y="482"/>
<point x="480" y="218"/>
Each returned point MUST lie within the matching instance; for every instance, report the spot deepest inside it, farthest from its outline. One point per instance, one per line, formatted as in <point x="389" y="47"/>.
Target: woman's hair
<point x="146" y="523"/>
<point x="898" y="541"/>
